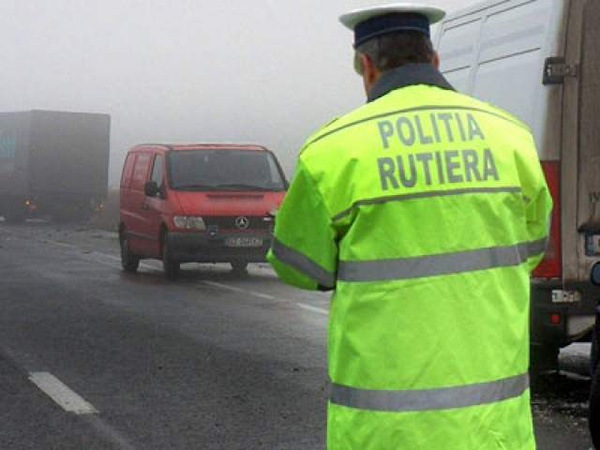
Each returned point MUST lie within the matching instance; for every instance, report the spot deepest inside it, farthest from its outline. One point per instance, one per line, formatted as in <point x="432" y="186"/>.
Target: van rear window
<point x="224" y="170"/>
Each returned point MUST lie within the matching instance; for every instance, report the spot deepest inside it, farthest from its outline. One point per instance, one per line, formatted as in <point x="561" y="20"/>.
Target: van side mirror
<point x="151" y="189"/>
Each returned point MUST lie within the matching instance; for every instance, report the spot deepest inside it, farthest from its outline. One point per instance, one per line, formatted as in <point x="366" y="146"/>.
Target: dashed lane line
<point x="72" y="402"/>
<point x="62" y="395"/>
<point x="100" y="255"/>
<point x="239" y="290"/>
<point x="109" y="433"/>
<point x="265" y="296"/>
<point x="232" y="288"/>
<point x="313" y="309"/>
<point x="219" y="285"/>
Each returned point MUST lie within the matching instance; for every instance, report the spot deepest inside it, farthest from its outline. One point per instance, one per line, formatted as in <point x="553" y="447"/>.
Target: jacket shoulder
<point x="336" y="125"/>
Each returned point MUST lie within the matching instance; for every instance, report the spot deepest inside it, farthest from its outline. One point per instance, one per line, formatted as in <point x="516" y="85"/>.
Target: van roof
<point x="201" y="146"/>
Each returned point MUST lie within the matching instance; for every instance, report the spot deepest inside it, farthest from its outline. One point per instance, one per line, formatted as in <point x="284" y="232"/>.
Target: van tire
<point x="171" y="267"/>
<point x="594" y="413"/>
<point x="129" y="262"/>
<point x="239" y="267"/>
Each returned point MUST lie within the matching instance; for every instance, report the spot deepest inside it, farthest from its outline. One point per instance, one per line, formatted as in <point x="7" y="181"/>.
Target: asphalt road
<point x="92" y="358"/>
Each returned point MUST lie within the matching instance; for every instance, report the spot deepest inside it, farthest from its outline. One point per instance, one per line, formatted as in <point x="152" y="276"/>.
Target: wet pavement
<point x="213" y="361"/>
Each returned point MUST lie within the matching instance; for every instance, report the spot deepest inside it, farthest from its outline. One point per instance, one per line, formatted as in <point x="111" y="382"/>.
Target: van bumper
<point x="203" y="247"/>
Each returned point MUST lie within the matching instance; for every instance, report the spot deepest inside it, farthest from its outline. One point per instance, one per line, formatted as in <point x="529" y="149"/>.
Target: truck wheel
<point x="595" y="408"/>
<point x="170" y="265"/>
<point x="129" y="262"/>
<point x="14" y="216"/>
<point x="16" y="219"/>
<point x="595" y="353"/>
<point x="239" y="267"/>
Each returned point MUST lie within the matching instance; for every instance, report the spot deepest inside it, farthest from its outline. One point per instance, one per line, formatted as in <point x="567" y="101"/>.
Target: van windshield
<point x="223" y="169"/>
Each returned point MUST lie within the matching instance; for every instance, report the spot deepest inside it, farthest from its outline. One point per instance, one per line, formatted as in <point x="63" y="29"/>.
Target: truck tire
<point x="595" y="352"/>
<point x="129" y="262"/>
<point x="14" y="218"/>
<point x="15" y="215"/>
<point x="171" y="267"/>
<point x="594" y="417"/>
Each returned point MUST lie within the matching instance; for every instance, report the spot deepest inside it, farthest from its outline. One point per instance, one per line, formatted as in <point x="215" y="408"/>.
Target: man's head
<point x="387" y="52"/>
<point x="387" y="37"/>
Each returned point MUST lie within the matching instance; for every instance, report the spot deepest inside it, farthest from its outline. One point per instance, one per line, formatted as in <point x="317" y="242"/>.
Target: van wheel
<point x="170" y="265"/>
<point x="239" y="266"/>
<point x="129" y="262"/>
<point x="594" y="417"/>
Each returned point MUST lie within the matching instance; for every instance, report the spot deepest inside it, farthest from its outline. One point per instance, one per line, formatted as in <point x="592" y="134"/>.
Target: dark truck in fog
<point x="53" y="163"/>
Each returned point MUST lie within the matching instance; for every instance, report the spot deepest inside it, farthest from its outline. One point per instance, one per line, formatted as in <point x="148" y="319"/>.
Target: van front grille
<point x="228" y="222"/>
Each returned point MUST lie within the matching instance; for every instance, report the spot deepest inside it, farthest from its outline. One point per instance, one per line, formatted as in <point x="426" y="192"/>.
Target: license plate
<point x="243" y="242"/>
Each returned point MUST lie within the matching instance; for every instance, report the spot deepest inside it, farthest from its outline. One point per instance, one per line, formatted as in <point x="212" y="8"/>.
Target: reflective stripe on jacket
<point x="425" y="210"/>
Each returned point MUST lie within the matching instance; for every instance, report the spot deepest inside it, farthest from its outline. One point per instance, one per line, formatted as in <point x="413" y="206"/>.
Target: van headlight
<point x="189" y="222"/>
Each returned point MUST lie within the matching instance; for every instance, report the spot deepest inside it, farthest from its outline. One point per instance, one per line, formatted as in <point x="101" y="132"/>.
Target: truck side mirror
<point x="151" y="189"/>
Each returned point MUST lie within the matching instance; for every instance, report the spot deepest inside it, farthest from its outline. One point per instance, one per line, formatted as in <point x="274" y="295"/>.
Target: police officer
<point x="424" y="211"/>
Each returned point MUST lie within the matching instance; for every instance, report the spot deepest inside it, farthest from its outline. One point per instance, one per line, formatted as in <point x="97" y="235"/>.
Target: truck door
<point x="588" y="217"/>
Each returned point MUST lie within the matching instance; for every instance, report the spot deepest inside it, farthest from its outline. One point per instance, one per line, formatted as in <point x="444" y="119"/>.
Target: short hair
<point x="393" y="50"/>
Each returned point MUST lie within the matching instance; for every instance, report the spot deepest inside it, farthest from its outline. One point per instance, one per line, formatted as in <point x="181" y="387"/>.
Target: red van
<point x="198" y="203"/>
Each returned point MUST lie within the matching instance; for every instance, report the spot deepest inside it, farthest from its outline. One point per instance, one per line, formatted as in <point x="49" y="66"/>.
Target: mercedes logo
<point x="242" y="223"/>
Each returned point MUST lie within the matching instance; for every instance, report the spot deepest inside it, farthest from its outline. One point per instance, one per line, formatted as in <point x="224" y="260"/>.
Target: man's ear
<point x="369" y="71"/>
<point x="436" y="60"/>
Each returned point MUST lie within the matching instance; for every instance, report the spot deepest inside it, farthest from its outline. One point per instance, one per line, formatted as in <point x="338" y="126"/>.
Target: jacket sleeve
<point x="304" y="250"/>
<point x="538" y="202"/>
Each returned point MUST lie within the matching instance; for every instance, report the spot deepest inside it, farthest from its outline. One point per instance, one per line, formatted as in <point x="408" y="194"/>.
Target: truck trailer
<point x="53" y="163"/>
<point x="540" y="60"/>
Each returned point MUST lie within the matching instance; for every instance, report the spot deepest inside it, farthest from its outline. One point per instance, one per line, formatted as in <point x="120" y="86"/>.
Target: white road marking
<point x="266" y="296"/>
<point x="109" y="433"/>
<point x="59" y="243"/>
<point x="261" y="295"/>
<point x="67" y="399"/>
<point x="312" y="308"/>
<point x="104" y="255"/>
<point x="240" y="290"/>
<point x="146" y="265"/>
<point x="96" y="255"/>
<point x="156" y="266"/>
<point x="226" y="286"/>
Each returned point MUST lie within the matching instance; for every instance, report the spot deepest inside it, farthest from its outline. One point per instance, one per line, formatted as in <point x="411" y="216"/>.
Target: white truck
<point x="540" y="60"/>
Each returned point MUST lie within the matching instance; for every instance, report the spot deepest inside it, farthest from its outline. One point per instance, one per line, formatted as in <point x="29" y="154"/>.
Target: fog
<point x="267" y="72"/>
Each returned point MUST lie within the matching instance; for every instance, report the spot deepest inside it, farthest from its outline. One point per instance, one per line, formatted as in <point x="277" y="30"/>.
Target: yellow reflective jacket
<point x="425" y="211"/>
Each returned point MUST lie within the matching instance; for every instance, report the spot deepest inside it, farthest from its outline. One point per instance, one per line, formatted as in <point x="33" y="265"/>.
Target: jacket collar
<point x="408" y="75"/>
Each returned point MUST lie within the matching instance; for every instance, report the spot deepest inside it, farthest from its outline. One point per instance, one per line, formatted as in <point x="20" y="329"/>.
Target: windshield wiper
<point x="248" y="187"/>
<point x="195" y="186"/>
